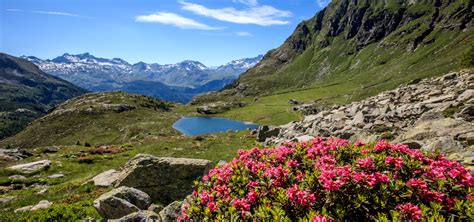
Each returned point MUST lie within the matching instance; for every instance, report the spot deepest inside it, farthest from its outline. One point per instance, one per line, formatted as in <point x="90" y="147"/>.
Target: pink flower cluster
<point x="300" y="197"/>
<point x="310" y="176"/>
<point x="410" y="211"/>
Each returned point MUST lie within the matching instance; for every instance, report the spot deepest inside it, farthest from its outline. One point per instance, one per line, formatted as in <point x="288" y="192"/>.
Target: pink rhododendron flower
<point x="319" y="218"/>
<point x="366" y="163"/>
<point x="410" y="211"/>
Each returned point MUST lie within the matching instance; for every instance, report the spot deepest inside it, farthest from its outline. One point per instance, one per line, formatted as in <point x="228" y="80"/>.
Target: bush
<point x="334" y="180"/>
<point x="61" y="212"/>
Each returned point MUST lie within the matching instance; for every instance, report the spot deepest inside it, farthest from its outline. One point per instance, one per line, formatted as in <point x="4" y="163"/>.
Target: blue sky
<point x="162" y="31"/>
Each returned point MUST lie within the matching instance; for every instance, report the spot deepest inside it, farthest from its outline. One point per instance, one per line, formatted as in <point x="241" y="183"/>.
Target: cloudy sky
<point x="162" y="31"/>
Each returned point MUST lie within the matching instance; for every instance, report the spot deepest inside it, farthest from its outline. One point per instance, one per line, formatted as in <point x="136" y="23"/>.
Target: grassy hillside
<point x="27" y="93"/>
<point x="352" y="50"/>
<point x="129" y="124"/>
<point x="98" y="118"/>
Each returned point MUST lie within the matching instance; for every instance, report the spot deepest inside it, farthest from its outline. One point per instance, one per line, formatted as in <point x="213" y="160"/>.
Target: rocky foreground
<point x="435" y="114"/>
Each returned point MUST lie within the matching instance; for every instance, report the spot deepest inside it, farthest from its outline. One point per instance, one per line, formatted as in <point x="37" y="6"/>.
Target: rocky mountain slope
<point x="360" y="48"/>
<point x="26" y="93"/>
<point x="434" y="113"/>
<point x="175" y="82"/>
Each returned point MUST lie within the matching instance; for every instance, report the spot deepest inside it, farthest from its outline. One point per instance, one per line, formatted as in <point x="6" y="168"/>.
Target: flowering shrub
<point x="324" y="180"/>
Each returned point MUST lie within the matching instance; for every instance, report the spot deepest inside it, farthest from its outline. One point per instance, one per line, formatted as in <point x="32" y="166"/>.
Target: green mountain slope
<point x="97" y="118"/>
<point x="354" y="49"/>
<point x="27" y="93"/>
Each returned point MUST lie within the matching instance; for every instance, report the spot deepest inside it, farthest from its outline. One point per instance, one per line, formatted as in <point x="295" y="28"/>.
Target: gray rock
<point x="31" y="167"/>
<point x="139" y="216"/>
<point x="6" y="199"/>
<point x="51" y="149"/>
<point x="106" y="179"/>
<point x="304" y="138"/>
<point x="41" y="205"/>
<point x="171" y="212"/>
<point x="17" y="177"/>
<point x="55" y="176"/>
<point x="121" y="202"/>
<point x="165" y="179"/>
<point x="265" y="132"/>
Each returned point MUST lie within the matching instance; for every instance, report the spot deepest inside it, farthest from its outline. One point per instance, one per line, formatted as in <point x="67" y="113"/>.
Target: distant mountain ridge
<point x="174" y="82"/>
<point x="186" y="74"/>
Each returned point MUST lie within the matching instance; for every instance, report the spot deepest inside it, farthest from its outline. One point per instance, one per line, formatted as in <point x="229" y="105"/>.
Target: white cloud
<point x="262" y="15"/>
<point x="55" y="13"/>
<point x="244" y="34"/>
<point x="323" y="3"/>
<point x="174" y="20"/>
<point x="14" y="10"/>
<point x="43" y="12"/>
<point x="247" y="2"/>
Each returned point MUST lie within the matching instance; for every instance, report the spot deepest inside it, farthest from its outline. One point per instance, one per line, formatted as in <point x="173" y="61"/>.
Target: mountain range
<point x="175" y="82"/>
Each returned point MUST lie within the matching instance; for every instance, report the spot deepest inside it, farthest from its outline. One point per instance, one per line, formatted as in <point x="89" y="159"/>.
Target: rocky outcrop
<point x="434" y="113"/>
<point x="31" y="167"/>
<point x="165" y="179"/>
<point x="14" y="154"/>
<point x="121" y="202"/>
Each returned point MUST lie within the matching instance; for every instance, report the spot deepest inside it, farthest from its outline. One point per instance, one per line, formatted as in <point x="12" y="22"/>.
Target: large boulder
<point x="165" y="179"/>
<point x="121" y="202"/>
<point x="31" y="167"/>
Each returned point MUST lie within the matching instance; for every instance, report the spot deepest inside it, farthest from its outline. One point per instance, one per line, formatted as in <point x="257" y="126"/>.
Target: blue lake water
<point x="198" y="125"/>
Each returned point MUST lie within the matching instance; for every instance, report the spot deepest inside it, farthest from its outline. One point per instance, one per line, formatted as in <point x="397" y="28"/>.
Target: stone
<point x="31" y="167"/>
<point x="165" y="179"/>
<point x="139" y="216"/>
<point x="171" y="212"/>
<point x="467" y="113"/>
<point x="155" y="208"/>
<point x="42" y="191"/>
<point x="265" y="132"/>
<point x="358" y="120"/>
<point x="304" y="138"/>
<point x="121" y="202"/>
<point x="413" y="144"/>
<point x="6" y="199"/>
<point x="469" y="160"/>
<point x="468" y="137"/>
<point x="466" y="95"/>
<point x="41" y="205"/>
<point x="221" y="163"/>
<point x="55" y="176"/>
<point x="51" y="149"/>
<point x="17" y="177"/>
<point x="106" y="178"/>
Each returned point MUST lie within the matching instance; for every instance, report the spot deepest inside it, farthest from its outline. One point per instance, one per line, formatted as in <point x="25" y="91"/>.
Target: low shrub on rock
<point x="334" y="180"/>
